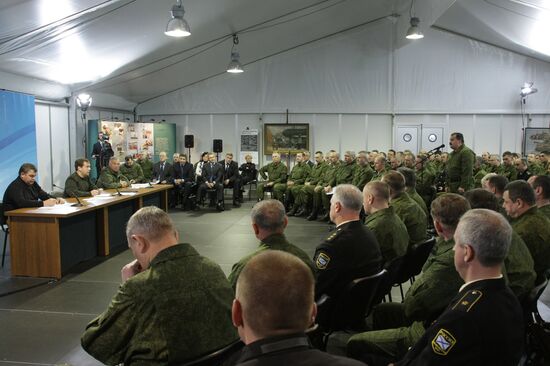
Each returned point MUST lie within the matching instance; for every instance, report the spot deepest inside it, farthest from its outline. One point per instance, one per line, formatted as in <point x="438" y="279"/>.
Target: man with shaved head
<point x="273" y="308"/>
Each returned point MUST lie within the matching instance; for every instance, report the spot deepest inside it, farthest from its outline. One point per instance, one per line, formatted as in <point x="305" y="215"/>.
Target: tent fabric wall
<point x="359" y="72"/>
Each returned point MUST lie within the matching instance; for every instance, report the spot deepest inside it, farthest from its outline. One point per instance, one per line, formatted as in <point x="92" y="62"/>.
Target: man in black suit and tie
<point x="184" y="178"/>
<point x="231" y="177"/>
<point x="212" y="178"/>
<point x="96" y="153"/>
<point x="162" y="171"/>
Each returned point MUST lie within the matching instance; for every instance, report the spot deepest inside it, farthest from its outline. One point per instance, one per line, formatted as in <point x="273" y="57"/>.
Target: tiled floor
<point x="43" y="325"/>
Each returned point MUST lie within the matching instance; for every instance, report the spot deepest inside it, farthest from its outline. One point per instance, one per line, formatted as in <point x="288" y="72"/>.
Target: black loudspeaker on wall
<point x="189" y="141"/>
<point x="218" y="146"/>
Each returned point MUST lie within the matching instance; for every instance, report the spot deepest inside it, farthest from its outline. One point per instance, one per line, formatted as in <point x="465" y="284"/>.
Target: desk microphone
<point x="78" y="204"/>
<point x="150" y="185"/>
<point x="117" y="192"/>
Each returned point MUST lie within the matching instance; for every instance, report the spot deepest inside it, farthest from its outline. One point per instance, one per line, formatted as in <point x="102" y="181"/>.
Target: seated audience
<point x="231" y="178"/>
<point x="269" y="223"/>
<point x="410" y="188"/>
<point x="531" y="225"/>
<point x="79" y="183"/>
<point x="519" y="265"/>
<point x="212" y="175"/>
<point x="295" y="182"/>
<point x="406" y="208"/>
<point x="397" y="326"/>
<point x="248" y="170"/>
<point x="131" y="170"/>
<point x="541" y="186"/>
<point x="111" y="177"/>
<point x="363" y="172"/>
<point x="390" y="231"/>
<point x="199" y="165"/>
<point x="162" y="171"/>
<point x="184" y="178"/>
<point x="351" y="251"/>
<point x="25" y="192"/>
<point x="272" y="310"/>
<point x="304" y="197"/>
<point x="146" y="165"/>
<point x="173" y="305"/>
<point x="483" y="324"/>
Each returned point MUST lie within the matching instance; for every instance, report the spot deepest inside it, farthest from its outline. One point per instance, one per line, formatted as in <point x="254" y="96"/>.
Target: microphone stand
<point x="78" y="202"/>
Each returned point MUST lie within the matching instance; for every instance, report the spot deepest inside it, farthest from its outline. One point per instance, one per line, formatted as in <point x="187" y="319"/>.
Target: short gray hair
<point x="349" y="196"/>
<point x="488" y="233"/>
<point x="150" y="222"/>
<point x="350" y="153"/>
<point x="486" y="178"/>
<point x="269" y="215"/>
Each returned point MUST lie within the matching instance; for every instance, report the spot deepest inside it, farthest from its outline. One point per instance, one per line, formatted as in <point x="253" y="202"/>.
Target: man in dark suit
<point x="212" y="178"/>
<point x="96" y="153"/>
<point x="162" y="171"/>
<point x="184" y="178"/>
<point x="231" y="177"/>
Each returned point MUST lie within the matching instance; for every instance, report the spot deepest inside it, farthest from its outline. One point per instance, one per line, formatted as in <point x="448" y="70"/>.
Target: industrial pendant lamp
<point x="235" y="66"/>
<point x="414" y="32"/>
<point x="177" y="26"/>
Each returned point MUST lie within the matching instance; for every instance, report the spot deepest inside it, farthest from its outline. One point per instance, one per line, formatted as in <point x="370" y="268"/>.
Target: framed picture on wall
<point x="536" y="140"/>
<point x="286" y="138"/>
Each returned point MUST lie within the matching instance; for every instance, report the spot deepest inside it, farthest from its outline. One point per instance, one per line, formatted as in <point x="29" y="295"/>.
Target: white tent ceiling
<point x="118" y="47"/>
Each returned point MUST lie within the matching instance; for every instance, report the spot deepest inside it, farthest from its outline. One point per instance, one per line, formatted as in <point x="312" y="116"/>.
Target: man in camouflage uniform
<point x="275" y="178"/>
<point x="173" y="305"/>
<point x="406" y="208"/>
<point x="479" y="171"/>
<point x="529" y="223"/>
<point x="508" y="168"/>
<point x="379" y="168"/>
<point x="363" y="172"/>
<point x="146" y="166"/>
<point x="460" y="166"/>
<point x="131" y="170"/>
<point x="269" y="223"/>
<point x="295" y="182"/>
<point x="305" y="195"/>
<point x="397" y="326"/>
<point x="424" y="180"/>
<point x="327" y="177"/>
<point x="541" y="186"/>
<point x="343" y="175"/>
<point x="388" y="228"/>
<point x="111" y="177"/>
<point x="79" y="183"/>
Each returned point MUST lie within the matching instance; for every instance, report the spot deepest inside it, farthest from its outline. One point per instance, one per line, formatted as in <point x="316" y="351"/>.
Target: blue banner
<point x="17" y="135"/>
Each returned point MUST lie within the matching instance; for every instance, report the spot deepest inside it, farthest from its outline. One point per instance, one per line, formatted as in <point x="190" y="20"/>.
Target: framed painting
<point x="536" y="140"/>
<point x="286" y="138"/>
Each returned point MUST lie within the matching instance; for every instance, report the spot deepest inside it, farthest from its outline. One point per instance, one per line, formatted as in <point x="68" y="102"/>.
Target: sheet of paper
<point x="58" y="209"/>
<point x="140" y="185"/>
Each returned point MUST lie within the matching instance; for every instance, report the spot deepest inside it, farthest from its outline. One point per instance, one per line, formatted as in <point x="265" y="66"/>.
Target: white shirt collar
<point x="345" y="222"/>
<point x="481" y="279"/>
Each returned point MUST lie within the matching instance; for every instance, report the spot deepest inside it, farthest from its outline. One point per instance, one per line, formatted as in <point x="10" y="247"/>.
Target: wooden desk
<point x="47" y="242"/>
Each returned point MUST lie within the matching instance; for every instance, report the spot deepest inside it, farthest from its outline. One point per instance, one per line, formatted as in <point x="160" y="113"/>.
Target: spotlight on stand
<point x="527" y="89"/>
<point x="83" y="101"/>
<point x="235" y="66"/>
<point x="177" y="26"/>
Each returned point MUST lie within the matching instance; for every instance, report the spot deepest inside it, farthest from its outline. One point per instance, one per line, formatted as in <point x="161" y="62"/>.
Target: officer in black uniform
<point x="351" y="251"/>
<point x="272" y="313"/>
<point x="483" y="325"/>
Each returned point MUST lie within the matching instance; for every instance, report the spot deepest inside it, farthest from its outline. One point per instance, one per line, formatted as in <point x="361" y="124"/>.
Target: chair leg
<point x="325" y="341"/>
<point x="6" y="233"/>
<point x="401" y="290"/>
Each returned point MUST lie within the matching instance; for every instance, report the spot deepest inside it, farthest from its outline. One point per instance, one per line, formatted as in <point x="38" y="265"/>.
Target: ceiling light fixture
<point x="235" y="66"/>
<point x="527" y="89"/>
<point x="177" y="26"/>
<point x="414" y="32"/>
<point x="84" y="101"/>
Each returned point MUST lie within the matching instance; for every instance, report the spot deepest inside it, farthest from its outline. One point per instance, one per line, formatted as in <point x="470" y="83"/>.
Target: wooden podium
<point x="49" y="241"/>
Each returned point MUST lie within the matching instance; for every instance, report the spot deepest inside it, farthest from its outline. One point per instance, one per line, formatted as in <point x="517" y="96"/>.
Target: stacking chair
<point x="393" y="269"/>
<point x="537" y="330"/>
<point x="217" y="357"/>
<point x="349" y="310"/>
<point x="5" y="229"/>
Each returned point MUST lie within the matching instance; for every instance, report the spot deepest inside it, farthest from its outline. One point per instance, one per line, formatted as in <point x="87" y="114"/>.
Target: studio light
<point x="235" y="66"/>
<point x="414" y="32"/>
<point x="527" y="89"/>
<point x="84" y="101"/>
<point x="177" y="26"/>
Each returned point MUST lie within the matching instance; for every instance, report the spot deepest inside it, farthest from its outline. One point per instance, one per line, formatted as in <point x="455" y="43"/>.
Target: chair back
<point x="393" y="269"/>
<point x="3" y="218"/>
<point x="415" y="259"/>
<point x="530" y="305"/>
<point x="350" y="308"/>
<point x="217" y="357"/>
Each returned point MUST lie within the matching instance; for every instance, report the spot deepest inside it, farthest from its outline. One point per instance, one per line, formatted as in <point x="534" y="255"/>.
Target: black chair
<point x="5" y="229"/>
<point x="537" y="350"/>
<point x="393" y="269"/>
<point x="218" y="356"/>
<point x="349" y="310"/>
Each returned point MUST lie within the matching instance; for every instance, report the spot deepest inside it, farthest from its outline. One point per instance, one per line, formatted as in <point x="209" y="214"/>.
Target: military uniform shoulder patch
<point x="443" y="342"/>
<point x="467" y="301"/>
<point x="333" y="235"/>
<point x="322" y="260"/>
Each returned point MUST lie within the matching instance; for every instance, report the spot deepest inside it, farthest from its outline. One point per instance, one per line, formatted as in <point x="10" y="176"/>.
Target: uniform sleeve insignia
<point x="322" y="261"/>
<point x="443" y="342"/>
